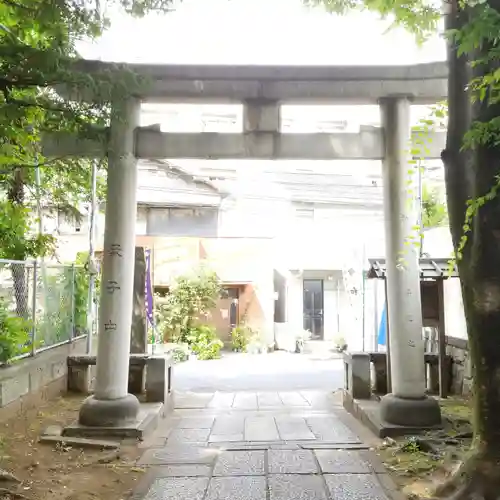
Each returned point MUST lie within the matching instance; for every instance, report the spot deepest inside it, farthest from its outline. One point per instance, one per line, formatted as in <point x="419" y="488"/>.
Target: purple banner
<point x="149" y="288"/>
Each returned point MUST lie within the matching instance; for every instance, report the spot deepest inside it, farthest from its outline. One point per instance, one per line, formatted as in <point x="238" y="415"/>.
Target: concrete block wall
<point x="28" y="382"/>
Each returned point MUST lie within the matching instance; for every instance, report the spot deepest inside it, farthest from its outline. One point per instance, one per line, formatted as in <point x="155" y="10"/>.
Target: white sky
<point x="258" y="32"/>
<point x="280" y="32"/>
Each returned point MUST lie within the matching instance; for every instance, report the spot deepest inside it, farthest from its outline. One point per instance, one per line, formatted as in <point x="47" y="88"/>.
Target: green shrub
<point x="240" y="338"/>
<point x="179" y="355"/>
<point x="14" y="334"/>
<point x="204" y="342"/>
<point x="191" y="296"/>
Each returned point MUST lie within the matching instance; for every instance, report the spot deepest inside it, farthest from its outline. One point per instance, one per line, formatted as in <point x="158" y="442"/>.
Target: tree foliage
<point x="190" y="298"/>
<point x="37" y="54"/>
<point x="434" y="212"/>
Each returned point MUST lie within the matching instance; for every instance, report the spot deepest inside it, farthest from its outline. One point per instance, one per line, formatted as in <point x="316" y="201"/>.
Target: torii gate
<point x="262" y="90"/>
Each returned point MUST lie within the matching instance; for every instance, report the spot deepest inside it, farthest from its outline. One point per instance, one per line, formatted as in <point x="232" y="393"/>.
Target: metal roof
<point x="431" y="269"/>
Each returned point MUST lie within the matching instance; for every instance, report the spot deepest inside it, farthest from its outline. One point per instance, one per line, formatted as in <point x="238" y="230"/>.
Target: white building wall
<point x="295" y="304"/>
<point x="438" y="243"/>
<point x="330" y="312"/>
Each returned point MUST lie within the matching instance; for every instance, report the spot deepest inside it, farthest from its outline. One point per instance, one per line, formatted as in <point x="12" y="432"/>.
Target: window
<point x="68" y="223"/>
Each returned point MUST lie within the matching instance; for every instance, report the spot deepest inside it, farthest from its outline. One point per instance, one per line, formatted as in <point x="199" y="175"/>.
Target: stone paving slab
<point x="178" y="455"/>
<point x="328" y="428"/>
<point x="279" y="486"/>
<point x="293" y="399"/>
<point x="240" y="463"/>
<point x="292" y="462"/>
<point x="178" y="488"/>
<point x="195" y="423"/>
<point x="246" y="400"/>
<point x="293" y="429"/>
<point x="261" y="428"/>
<point x="234" y="446"/>
<point x="237" y="488"/>
<point x="183" y="470"/>
<point x="226" y="438"/>
<point x="228" y="425"/>
<point x="188" y="436"/>
<point x="297" y="487"/>
<point x="342" y="462"/>
<point x="354" y="487"/>
<point x="268" y="399"/>
<point x="222" y="400"/>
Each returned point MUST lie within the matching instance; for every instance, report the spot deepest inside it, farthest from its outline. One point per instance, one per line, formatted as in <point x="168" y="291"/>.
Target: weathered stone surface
<point x="297" y="487"/>
<point x="292" y="462"/>
<point x="222" y="400"/>
<point x="261" y="429"/>
<point x="13" y="388"/>
<point x="293" y="399"/>
<point x="185" y="470"/>
<point x="354" y="487"/>
<point x="193" y="400"/>
<point x="245" y="401"/>
<point x="293" y="429"/>
<point x="237" y="488"/>
<point x="139" y="337"/>
<point x="269" y="400"/>
<point x="179" y="436"/>
<point x="329" y="428"/>
<point x="341" y="461"/>
<point x="240" y="463"/>
<point x="228" y="425"/>
<point x="357" y="369"/>
<point x="76" y="442"/>
<point x="52" y="430"/>
<point x="196" y="423"/>
<point x="178" y="455"/>
<point x="225" y="438"/>
<point x="181" y="488"/>
<point x="157" y="382"/>
<point x="79" y="379"/>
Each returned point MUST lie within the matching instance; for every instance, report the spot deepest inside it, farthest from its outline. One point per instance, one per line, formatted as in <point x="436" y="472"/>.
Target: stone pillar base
<point x="109" y="412"/>
<point x="423" y="412"/>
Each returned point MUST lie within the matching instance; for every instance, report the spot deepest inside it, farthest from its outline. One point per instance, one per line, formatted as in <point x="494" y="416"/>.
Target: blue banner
<point x="382" y="330"/>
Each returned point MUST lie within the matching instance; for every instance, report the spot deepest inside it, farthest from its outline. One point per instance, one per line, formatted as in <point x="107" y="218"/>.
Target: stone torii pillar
<point x="111" y="405"/>
<point x="408" y="404"/>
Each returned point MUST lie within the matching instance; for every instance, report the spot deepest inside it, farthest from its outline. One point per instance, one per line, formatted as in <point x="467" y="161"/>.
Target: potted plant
<point x="300" y="339"/>
<point x="340" y="344"/>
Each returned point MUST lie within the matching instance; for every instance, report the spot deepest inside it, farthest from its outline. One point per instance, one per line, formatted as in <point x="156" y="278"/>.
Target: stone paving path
<point x="275" y="371"/>
<point x="260" y="446"/>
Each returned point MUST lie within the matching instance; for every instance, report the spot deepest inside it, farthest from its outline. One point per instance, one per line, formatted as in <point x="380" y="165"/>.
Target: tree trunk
<point x="15" y="195"/>
<point x="471" y="174"/>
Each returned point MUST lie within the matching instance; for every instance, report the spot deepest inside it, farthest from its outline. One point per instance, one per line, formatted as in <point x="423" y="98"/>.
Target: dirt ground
<point x="56" y="472"/>
<point x="419" y="463"/>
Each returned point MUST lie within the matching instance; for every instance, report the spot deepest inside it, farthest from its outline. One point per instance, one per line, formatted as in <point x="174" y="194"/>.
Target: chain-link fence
<point x="41" y="305"/>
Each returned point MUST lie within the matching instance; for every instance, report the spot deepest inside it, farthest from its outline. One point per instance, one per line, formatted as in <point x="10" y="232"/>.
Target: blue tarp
<point x="382" y="329"/>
